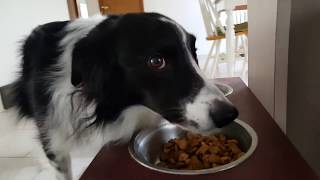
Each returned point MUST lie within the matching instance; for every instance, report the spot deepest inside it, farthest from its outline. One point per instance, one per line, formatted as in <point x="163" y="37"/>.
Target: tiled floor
<point x="20" y="168"/>
<point x="19" y="150"/>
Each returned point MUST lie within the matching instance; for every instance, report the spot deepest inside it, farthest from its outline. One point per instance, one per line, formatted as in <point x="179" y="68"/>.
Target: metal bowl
<point x="226" y="89"/>
<point x="145" y="147"/>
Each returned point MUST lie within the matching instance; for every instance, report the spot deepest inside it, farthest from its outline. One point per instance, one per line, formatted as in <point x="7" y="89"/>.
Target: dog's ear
<point x="76" y="68"/>
<point x="79" y="62"/>
<point x="192" y="43"/>
<point x="90" y="61"/>
<point x="92" y="52"/>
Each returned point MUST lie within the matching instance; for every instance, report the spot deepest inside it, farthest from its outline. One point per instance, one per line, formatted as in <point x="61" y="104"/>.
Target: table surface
<point x="274" y="159"/>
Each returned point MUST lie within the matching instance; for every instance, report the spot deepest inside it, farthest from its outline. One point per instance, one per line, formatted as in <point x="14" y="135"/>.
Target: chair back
<point x="240" y="14"/>
<point x="211" y="17"/>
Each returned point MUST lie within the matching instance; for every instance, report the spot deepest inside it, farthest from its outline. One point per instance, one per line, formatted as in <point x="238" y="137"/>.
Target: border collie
<point x="103" y="78"/>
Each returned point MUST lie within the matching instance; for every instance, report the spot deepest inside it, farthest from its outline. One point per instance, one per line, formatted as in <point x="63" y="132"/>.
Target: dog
<point x="105" y="77"/>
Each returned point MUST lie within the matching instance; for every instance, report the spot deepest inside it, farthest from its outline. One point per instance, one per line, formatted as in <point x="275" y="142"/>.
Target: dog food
<point x="195" y="151"/>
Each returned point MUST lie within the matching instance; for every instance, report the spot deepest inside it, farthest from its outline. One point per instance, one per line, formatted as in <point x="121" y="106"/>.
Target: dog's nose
<point x="222" y="113"/>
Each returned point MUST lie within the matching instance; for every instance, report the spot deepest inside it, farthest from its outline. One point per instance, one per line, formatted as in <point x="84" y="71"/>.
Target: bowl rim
<point x="230" y="165"/>
<point x="228" y="87"/>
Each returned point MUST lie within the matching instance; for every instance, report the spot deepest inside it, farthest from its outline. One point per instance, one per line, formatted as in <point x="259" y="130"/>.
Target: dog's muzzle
<point x="222" y="113"/>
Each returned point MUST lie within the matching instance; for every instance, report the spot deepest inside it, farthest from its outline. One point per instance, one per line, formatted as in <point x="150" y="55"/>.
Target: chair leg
<point x="245" y="62"/>
<point x="237" y="46"/>
<point x="245" y="39"/>
<point x="216" y="60"/>
<point x="209" y="57"/>
<point x="244" y="69"/>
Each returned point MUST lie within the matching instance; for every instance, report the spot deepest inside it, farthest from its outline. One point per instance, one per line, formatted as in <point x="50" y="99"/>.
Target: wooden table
<point x="274" y="159"/>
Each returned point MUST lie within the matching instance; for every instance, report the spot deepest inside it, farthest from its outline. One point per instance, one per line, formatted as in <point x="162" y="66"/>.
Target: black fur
<point x="40" y="52"/>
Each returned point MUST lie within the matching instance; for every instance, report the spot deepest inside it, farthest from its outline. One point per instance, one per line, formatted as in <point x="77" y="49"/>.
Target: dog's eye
<point x="157" y="63"/>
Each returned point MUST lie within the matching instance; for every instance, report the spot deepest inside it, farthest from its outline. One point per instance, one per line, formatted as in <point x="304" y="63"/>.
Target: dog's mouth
<point x="176" y="117"/>
<point x="190" y="125"/>
<point x="194" y="125"/>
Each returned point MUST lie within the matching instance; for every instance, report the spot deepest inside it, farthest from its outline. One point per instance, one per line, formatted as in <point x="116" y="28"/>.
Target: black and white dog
<point x="105" y="77"/>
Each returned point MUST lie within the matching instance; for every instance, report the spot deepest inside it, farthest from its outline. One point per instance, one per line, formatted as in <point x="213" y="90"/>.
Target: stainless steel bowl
<point x="226" y="89"/>
<point x="146" y="146"/>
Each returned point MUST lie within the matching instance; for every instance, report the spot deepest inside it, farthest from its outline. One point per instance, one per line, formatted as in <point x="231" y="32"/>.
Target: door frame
<point x="269" y="27"/>
<point x="73" y="9"/>
<point x="141" y="5"/>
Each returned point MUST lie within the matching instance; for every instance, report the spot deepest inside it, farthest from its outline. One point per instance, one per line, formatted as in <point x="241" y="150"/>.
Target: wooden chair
<point x="216" y="33"/>
<point x="240" y="16"/>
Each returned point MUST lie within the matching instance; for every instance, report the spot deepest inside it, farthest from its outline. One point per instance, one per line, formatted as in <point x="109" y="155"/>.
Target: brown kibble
<point x="163" y="157"/>
<point x="234" y="148"/>
<point x="195" y="151"/>
<point x="180" y="165"/>
<point x="214" y="165"/>
<point x="183" y="156"/>
<point x="206" y="165"/>
<point x="214" y="149"/>
<point x="205" y="158"/>
<point x="171" y="160"/>
<point x="222" y="148"/>
<point x="214" y="159"/>
<point x="222" y="137"/>
<point x="195" y="163"/>
<point x="169" y="156"/>
<point x="189" y="150"/>
<point x="166" y="150"/>
<point x="225" y="159"/>
<point x="203" y="149"/>
<point x="214" y="138"/>
<point x="190" y="136"/>
<point x="176" y="148"/>
<point x="232" y="141"/>
<point x="168" y="146"/>
<point x="195" y="142"/>
<point x="182" y="143"/>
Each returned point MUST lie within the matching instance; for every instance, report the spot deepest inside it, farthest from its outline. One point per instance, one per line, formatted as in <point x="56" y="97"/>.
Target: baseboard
<point x="1" y="104"/>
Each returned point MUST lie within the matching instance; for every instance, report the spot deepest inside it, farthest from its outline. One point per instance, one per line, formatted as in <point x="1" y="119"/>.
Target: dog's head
<point x="150" y="60"/>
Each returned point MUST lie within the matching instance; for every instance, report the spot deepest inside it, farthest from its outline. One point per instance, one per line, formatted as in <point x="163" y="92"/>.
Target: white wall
<point x="269" y="23"/>
<point x="303" y="80"/>
<point x="262" y="38"/>
<point x="281" y="64"/>
<point x="17" y="19"/>
<point x="185" y="12"/>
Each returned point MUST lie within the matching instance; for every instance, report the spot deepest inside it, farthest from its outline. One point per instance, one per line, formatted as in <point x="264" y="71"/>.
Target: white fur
<point x="63" y="122"/>
<point x="198" y="110"/>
